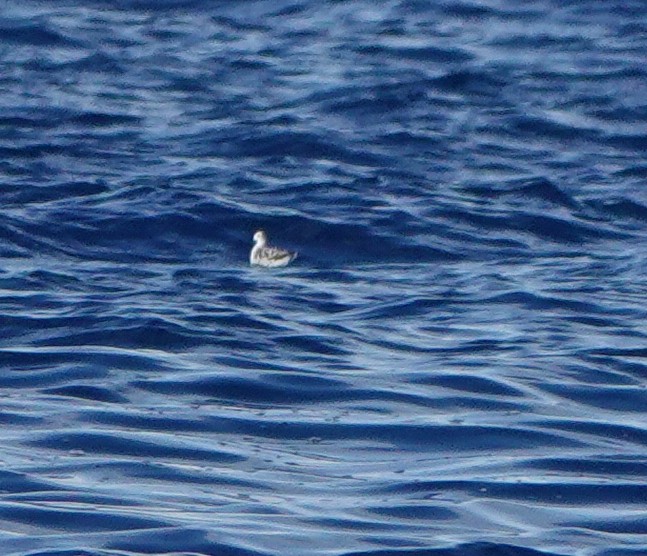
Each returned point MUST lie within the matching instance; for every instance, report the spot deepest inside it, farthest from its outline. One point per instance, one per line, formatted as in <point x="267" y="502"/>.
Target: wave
<point x="453" y="365"/>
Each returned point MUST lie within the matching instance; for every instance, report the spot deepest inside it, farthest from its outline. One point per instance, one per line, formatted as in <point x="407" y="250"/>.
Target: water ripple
<point x="455" y="363"/>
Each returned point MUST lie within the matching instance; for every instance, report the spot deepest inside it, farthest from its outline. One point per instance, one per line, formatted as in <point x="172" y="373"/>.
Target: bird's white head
<point x="260" y="238"/>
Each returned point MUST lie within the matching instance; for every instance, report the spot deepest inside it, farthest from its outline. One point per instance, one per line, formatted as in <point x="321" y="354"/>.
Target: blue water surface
<point x="455" y="365"/>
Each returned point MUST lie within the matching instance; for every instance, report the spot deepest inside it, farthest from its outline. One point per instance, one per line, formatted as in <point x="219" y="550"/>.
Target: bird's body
<point x="270" y="257"/>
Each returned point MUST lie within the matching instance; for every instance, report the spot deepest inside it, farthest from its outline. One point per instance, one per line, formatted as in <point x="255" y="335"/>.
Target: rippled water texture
<point x="455" y="365"/>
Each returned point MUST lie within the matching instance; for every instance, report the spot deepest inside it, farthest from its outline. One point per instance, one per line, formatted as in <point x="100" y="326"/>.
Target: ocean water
<point x="455" y="365"/>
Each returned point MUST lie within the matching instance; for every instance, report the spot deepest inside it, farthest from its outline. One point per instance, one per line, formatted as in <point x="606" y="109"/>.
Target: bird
<point x="264" y="255"/>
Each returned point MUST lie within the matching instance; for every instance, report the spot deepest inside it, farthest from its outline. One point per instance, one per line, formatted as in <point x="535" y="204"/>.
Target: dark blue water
<point x="456" y="364"/>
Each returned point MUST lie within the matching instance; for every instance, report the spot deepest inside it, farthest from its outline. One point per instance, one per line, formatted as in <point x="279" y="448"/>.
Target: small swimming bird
<point x="264" y="255"/>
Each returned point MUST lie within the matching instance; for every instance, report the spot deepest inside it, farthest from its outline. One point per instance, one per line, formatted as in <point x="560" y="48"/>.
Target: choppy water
<point x="454" y="365"/>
